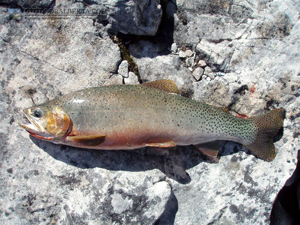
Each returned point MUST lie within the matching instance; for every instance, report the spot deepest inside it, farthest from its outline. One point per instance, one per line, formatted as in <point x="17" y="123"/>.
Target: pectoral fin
<point x="87" y="141"/>
<point x="164" y="85"/>
<point x="168" y="144"/>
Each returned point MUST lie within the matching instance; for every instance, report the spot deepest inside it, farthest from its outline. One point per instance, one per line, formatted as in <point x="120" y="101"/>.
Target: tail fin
<point x="268" y="126"/>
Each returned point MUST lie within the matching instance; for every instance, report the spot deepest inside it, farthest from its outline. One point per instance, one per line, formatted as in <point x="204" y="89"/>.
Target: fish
<point x="153" y="114"/>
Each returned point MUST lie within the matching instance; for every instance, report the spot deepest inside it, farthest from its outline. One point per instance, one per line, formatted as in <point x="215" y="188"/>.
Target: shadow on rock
<point x="148" y="40"/>
<point x="168" y="216"/>
<point x="286" y="208"/>
<point x="173" y="161"/>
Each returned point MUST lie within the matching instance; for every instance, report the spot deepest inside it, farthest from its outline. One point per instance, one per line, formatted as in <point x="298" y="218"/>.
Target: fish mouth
<point x="31" y="125"/>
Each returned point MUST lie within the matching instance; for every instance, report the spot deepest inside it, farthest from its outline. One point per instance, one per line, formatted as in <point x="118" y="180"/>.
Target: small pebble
<point x="132" y="79"/>
<point x="189" y="53"/>
<point x="202" y="63"/>
<point x="174" y="47"/>
<point x="123" y="69"/>
<point x="189" y="62"/>
<point x="182" y="54"/>
<point x="198" y="72"/>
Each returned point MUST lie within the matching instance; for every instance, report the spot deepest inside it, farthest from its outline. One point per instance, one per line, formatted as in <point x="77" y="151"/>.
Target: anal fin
<point x="92" y="140"/>
<point x="211" y="149"/>
<point x="168" y="144"/>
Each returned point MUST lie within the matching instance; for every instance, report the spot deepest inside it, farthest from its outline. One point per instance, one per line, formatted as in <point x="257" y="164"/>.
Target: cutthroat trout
<point x="152" y="114"/>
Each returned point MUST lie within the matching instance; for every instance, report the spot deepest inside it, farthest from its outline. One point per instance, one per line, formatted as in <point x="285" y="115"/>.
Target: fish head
<point x="46" y="122"/>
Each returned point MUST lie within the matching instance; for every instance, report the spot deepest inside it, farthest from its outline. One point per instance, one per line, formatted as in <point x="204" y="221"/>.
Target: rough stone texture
<point x="123" y="69"/>
<point x="198" y="72"/>
<point x="249" y="51"/>
<point x="166" y="67"/>
<point x="132" y="79"/>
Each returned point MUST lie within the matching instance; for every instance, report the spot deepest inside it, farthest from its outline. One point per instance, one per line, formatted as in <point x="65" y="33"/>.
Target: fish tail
<point x="268" y="126"/>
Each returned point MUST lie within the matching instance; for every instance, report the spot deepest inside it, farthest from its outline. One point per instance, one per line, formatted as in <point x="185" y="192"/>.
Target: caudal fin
<point x="268" y="126"/>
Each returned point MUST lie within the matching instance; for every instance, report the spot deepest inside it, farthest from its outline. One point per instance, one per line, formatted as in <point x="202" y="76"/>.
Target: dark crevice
<point x="125" y="55"/>
<point x="217" y="41"/>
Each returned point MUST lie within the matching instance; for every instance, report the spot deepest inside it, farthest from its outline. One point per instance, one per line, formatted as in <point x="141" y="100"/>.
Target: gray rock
<point x="189" y="53"/>
<point x="114" y="80"/>
<point x="182" y="54"/>
<point x="217" y="55"/>
<point x="202" y="63"/>
<point x="189" y="62"/>
<point x="209" y="73"/>
<point x="165" y="67"/>
<point x="252" y="51"/>
<point x="132" y="79"/>
<point x="214" y="20"/>
<point x="174" y="48"/>
<point x="198" y="72"/>
<point x="123" y="69"/>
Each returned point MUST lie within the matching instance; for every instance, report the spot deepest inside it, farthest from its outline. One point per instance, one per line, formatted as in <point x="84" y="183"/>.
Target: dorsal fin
<point x="164" y="85"/>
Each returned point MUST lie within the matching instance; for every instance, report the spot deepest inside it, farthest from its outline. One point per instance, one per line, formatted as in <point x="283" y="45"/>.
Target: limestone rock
<point x="202" y="63"/>
<point x="114" y="80"/>
<point x="182" y="54"/>
<point x="218" y="58"/>
<point x="174" y="47"/>
<point x="198" y="72"/>
<point x="189" y="62"/>
<point x="132" y="79"/>
<point x="165" y="67"/>
<point x="123" y="69"/>
<point x="189" y="53"/>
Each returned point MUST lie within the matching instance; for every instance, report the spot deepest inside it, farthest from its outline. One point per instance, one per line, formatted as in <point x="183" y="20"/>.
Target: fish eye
<point x="37" y="113"/>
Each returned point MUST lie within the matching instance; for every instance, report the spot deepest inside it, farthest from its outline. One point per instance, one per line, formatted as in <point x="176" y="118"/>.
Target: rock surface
<point x="234" y="54"/>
